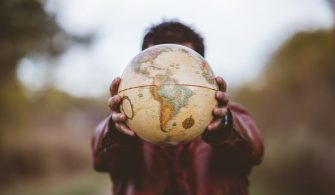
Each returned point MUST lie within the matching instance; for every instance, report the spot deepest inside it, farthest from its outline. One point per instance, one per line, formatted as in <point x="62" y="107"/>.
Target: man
<point x="217" y="162"/>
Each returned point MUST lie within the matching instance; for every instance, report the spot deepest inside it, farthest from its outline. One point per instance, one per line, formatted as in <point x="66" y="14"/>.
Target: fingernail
<point x="116" y="80"/>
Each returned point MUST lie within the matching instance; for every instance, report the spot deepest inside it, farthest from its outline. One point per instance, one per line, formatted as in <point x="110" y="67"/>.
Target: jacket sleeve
<point x="113" y="151"/>
<point x="239" y="143"/>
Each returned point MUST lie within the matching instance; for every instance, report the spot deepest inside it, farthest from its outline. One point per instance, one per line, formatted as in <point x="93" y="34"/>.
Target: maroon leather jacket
<point x="214" y="163"/>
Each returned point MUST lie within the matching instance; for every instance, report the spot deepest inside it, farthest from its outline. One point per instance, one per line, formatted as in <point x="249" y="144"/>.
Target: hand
<point x="220" y="111"/>
<point x="114" y="102"/>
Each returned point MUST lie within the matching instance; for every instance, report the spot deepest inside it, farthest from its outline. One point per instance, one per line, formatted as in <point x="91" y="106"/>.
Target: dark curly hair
<point x="173" y="32"/>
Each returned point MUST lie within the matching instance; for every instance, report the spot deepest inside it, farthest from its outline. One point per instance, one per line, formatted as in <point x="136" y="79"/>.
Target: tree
<point x="294" y="107"/>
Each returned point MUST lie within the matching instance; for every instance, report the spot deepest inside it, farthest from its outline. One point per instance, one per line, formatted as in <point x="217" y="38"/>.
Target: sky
<point x="240" y="36"/>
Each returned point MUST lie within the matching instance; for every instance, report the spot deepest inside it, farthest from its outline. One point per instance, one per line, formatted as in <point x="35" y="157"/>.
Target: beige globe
<point x="168" y="94"/>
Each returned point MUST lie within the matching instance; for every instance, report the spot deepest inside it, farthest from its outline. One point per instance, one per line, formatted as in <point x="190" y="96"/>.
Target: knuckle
<point x="220" y="111"/>
<point x="115" y="81"/>
<point x="220" y="95"/>
<point x="216" y="125"/>
<point x="123" y="116"/>
<point x="116" y="99"/>
<point x="116" y="117"/>
<point x="110" y="101"/>
<point x="224" y="97"/>
<point x="209" y="127"/>
<point x="226" y="102"/>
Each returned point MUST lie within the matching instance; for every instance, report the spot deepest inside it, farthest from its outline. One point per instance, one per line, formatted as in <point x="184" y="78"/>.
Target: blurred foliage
<point x="25" y="28"/>
<point x="45" y="137"/>
<point x="332" y="4"/>
<point x="57" y="138"/>
<point x="82" y="184"/>
<point x="293" y="101"/>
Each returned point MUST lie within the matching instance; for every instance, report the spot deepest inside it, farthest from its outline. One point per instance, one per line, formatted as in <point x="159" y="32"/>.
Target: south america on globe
<point x="168" y="94"/>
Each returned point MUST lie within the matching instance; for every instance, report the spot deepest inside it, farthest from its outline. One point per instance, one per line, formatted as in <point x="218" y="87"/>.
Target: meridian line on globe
<point x="187" y="85"/>
<point x="131" y="107"/>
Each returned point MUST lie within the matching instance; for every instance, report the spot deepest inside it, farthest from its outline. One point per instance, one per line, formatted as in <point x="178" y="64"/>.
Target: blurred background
<point x="58" y="58"/>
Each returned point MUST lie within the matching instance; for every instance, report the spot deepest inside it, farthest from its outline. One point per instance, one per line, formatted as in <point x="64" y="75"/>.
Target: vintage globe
<point x="168" y="94"/>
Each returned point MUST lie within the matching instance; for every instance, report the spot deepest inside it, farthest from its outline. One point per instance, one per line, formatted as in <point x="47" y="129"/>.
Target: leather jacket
<point x="213" y="164"/>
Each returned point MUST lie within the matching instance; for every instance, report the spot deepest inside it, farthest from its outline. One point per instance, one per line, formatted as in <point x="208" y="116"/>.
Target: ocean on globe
<point x="168" y="94"/>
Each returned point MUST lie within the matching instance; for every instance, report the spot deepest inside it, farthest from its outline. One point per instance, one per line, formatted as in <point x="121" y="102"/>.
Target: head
<point x="174" y="32"/>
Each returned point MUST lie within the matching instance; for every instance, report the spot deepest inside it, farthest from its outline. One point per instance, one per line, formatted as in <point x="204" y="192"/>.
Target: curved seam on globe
<point x="189" y="85"/>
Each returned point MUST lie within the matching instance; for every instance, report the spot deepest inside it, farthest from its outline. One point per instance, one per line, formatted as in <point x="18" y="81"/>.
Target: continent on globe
<point x="168" y="94"/>
<point x="188" y="123"/>
<point x="171" y="97"/>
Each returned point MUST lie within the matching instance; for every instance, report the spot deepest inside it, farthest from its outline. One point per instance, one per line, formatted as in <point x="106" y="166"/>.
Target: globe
<point x="168" y="94"/>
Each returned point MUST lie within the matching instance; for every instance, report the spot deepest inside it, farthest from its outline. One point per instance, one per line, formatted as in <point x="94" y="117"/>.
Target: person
<point x="217" y="162"/>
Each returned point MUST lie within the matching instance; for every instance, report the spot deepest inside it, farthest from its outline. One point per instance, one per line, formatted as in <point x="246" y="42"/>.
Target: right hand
<point x="114" y="102"/>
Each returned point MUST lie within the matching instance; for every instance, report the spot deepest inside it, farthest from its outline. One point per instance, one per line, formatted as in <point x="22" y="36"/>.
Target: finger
<point x="219" y="112"/>
<point x="123" y="128"/>
<point x="222" y="98"/>
<point x="114" y="103"/>
<point x="214" y="124"/>
<point x="119" y="117"/>
<point x="117" y="125"/>
<point x="113" y="89"/>
<point x="221" y="83"/>
<point x="126" y="129"/>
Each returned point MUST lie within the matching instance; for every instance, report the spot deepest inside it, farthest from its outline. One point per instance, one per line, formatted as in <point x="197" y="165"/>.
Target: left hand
<point x="220" y="111"/>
